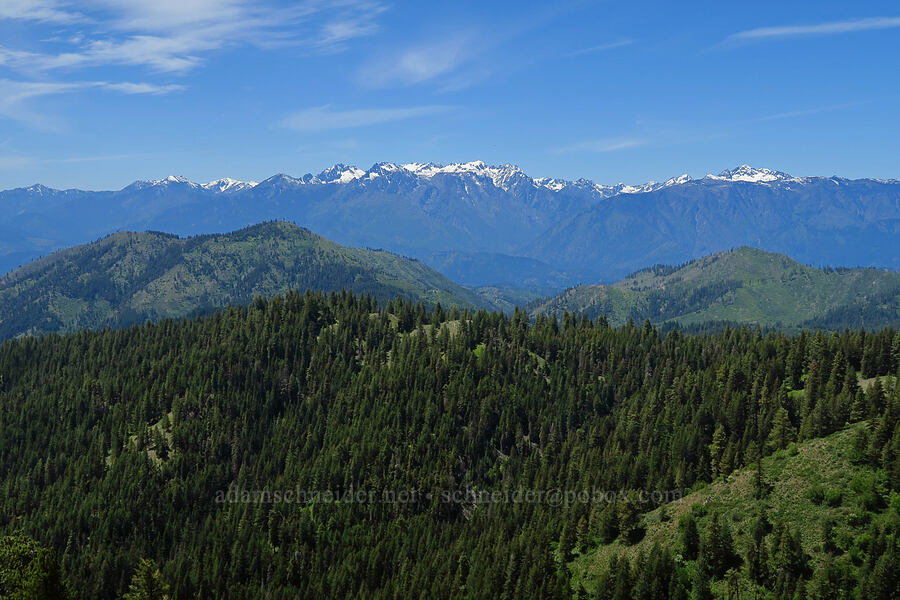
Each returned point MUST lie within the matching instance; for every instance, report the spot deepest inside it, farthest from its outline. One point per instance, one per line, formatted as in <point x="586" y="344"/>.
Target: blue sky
<point x="95" y="94"/>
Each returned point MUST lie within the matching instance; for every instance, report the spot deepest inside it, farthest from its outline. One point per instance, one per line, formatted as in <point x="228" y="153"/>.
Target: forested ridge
<point x="744" y="285"/>
<point x="130" y="277"/>
<point x="116" y="446"/>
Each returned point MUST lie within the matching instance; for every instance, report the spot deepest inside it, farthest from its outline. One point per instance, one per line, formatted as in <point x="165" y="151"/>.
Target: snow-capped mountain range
<point x="504" y="177"/>
<point x="491" y="224"/>
<point x="224" y="185"/>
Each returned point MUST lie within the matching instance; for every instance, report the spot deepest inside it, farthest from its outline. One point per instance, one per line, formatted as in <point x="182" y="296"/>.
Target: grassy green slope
<point x="129" y="277"/>
<point x="745" y="285"/>
<point x="825" y="464"/>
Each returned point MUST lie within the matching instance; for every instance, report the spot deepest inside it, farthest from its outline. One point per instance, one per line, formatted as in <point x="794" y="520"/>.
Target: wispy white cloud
<point x="358" y="19"/>
<point x="601" y="47"/>
<point x="174" y="35"/>
<point x="602" y="145"/>
<point x="420" y="63"/>
<point x="45" y="11"/>
<point x="15" y="96"/>
<point x="832" y="28"/>
<point x="808" y="111"/>
<point x="172" y="54"/>
<point x="661" y="134"/>
<point x="24" y="162"/>
<point x="15" y="163"/>
<point x="127" y="87"/>
<point x="170" y="37"/>
<point x="452" y="59"/>
<point x="323" y="118"/>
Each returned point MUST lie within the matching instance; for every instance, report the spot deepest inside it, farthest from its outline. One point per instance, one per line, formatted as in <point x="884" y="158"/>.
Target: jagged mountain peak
<point x="340" y="173"/>
<point x="503" y="176"/>
<point x="281" y="180"/>
<point x="172" y="179"/>
<point x="385" y="167"/>
<point x="551" y="183"/>
<point x="681" y="179"/>
<point x="750" y="174"/>
<point x="38" y="188"/>
<point x="228" y="185"/>
<point x="164" y="182"/>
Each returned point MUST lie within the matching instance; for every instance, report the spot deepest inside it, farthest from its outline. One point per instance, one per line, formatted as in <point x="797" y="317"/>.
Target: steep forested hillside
<point x="746" y="286"/>
<point x="131" y="277"/>
<point x="428" y="454"/>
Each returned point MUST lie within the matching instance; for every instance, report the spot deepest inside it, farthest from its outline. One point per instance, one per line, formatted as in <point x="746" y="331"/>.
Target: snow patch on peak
<point x="340" y="173"/>
<point x="650" y="186"/>
<point x="387" y="167"/>
<point x="282" y="181"/>
<point x="503" y="176"/>
<point x="423" y="169"/>
<point x="351" y="174"/>
<point x="164" y="182"/>
<point x="681" y="179"/>
<point x="550" y="183"/>
<point x="227" y="184"/>
<point x="174" y="179"/>
<point x="621" y="188"/>
<point x="750" y="174"/>
<point x="431" y="169"/>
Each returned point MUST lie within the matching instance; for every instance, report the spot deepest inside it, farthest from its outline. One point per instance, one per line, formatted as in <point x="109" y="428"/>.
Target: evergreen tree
<point x="624" y="581"/>
<point x="566" y="543"/>
<point x="790" y="557"/>
<point x="629" y="520"/>
<point x="677" y="590"/>
<point x="782" y="432"/>
<point x="883" y="582"/>
<point x="829" y="582"/>
<point x="700" y="589"/>
<point x="147" y="583"/>
<point x="717" y="548"/>
<point x="858" y="409"/>
<point x="29" y="571"/>
<point x="606" y="581"/>
<point x="757" y="553"/>
<point x="608" y="526"/>
<point x="690" y="536"/>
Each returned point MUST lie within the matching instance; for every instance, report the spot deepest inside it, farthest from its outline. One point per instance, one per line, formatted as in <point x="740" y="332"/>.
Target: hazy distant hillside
<point x="743" y="285"/>
<point x="414" y="209"/>
<point x="488" y="225"/>
<point x="823" y="221"/>
<point x="129" y="277"/>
